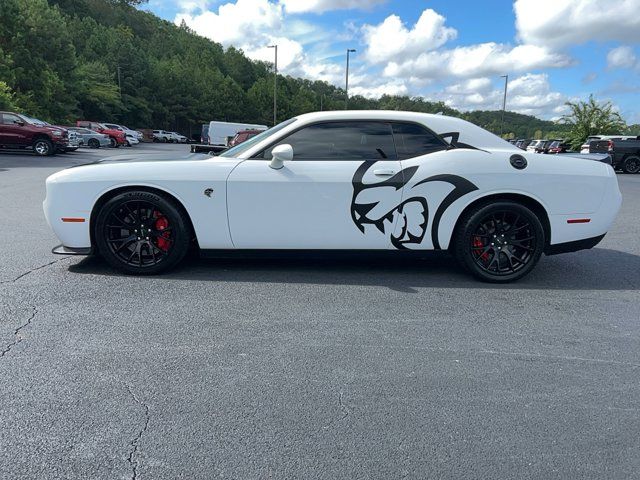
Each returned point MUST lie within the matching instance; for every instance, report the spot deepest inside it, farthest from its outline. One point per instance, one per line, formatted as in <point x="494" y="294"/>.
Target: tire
<point x="43" y="147"/>
<point x="93" y="143"/>
<point x="499" y="242"/>
<point x="156" y="249"/>
<point x="114" y="142"/>
<point x="631" y="164"/>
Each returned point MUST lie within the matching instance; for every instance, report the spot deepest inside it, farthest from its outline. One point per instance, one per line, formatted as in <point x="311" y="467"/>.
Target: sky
<point x="450" y="50"/>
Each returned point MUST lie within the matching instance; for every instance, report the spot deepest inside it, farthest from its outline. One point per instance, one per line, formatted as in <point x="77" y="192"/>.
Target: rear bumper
<point x="62" y="250"/>
<point x="574" y="246"/>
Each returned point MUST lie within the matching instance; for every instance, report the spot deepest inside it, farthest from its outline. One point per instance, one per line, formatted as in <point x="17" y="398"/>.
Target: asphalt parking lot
<point x="312" y="368"/>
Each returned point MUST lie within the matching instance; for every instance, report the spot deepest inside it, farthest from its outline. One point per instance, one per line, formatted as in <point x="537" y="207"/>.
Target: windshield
<point x="243" y="147"/>
<point x="35" y="121"/>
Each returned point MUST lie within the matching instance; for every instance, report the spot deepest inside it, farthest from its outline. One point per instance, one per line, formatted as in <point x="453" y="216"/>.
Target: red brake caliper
<point x="162" y="224"/>
<point x="477" y="243"/>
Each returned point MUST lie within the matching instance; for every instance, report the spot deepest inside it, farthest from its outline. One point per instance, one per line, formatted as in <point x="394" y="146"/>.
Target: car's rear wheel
<point x="93" y="143"/>
<point x="142" y="233"/>
<point x="499" y="242"/>
<point x="114" y="142"/>
<point x="631" y="164"/>
<point x="43" y="147"/>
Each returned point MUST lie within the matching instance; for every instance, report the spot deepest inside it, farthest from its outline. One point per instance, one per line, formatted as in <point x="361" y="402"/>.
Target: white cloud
<point x="393" y="40"/>
<point x="251" y="25"/>
<point x="529" y="94"/>
<point x="321" y="6"/>
<point x="483" y="59"/>
<point x="621" y="57"/>
<point x="391" y="88"/>
<point x="190" y="6"/>
<point x="419" y="52"/>
<point x="560" y="23"/>
<point x="471" y="86"/>
<point x="240" y="23"/>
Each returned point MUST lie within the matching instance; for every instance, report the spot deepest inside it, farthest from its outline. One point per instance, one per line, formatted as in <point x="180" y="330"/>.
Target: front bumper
<point x="62" y="250"/>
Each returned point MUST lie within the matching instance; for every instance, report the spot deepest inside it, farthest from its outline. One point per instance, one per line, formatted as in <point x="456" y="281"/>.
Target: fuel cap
<point x="518" y="162"/>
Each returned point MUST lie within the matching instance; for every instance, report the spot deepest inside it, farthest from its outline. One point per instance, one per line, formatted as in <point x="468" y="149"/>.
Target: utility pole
<point x="275" y="85"/>
<point x="119" y="83"/>
<point x="504" y="103"/>
<point x="346" y="87"/>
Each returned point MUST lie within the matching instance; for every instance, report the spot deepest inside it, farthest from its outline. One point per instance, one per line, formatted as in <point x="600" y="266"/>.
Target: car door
<point x="336" y="193"/>
<point x="434" y="178"/>
<point x="13" y="130"/>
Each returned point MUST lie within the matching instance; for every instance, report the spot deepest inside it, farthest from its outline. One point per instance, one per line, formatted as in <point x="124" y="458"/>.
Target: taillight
<point x="610" y="146"/>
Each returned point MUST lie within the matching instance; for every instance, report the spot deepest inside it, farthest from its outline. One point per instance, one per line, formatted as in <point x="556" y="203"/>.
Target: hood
<point x="137" y="158"/>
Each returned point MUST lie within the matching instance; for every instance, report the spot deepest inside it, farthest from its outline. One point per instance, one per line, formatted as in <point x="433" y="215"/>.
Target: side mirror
<point x="20" y="123"/>
<point x="280" y="154"/>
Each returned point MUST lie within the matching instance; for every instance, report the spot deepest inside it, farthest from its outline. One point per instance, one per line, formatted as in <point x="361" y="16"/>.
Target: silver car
<point x="89" y="138"/>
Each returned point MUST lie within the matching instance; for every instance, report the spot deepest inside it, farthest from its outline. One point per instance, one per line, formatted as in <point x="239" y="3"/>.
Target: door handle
<point x="384" y="172"/>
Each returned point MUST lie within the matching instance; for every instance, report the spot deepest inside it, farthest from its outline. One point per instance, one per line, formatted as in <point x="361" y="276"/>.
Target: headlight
<point x="56" y="133"/>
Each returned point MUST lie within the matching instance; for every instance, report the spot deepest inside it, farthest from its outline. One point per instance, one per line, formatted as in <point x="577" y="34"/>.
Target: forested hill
<point x="59" y="61"/>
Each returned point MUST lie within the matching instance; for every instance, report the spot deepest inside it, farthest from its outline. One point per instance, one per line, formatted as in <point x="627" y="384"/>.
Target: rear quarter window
<point x="413" y="140"/>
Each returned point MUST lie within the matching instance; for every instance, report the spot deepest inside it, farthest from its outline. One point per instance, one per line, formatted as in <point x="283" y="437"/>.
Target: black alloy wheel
<point x="631" y="164"/>
<point x="499" y="242"/>
<point x="141" y="232"/>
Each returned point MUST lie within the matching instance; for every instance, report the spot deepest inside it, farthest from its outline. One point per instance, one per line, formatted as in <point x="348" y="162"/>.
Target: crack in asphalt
<point x="17" y="333"/>
<point x="133" y="454"/>
<point x="22" y="275"/>
<point x="343" y="408"/>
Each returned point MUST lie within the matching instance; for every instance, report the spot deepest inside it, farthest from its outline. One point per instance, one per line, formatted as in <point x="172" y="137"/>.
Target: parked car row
<point x="119" y="135"/>
<point x="624" y="151"/>
<point x="621" y="151"/>
<point x="541" y="146"/>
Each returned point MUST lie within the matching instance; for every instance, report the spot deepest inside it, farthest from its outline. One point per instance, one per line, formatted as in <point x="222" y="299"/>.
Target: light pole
<point x="346" y="87"/>
<point x="119" y="83"/>
<point x="275" y="85"/>
<point x="504" y="102"/>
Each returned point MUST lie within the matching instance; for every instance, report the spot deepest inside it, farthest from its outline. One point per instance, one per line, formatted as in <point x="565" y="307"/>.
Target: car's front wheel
<point x="43" y="147"/>
<point x="94" y="143"/>
<point x="140" y="232"/>
<point x="631" y="165"/>
<point x="499" y="242"/>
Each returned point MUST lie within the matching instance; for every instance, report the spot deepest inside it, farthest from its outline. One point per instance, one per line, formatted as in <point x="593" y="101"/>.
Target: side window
<point x="341" y="141"/>
<point x="9" y="119"/>
<point x="413" y="140"/>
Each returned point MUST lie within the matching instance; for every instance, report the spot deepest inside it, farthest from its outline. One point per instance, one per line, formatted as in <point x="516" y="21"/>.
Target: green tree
<point x="591" y="118"/>
<point x="7" y="101"/>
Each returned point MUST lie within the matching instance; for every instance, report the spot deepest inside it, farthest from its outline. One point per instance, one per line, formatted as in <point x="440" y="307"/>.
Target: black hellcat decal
<point x="411" y="212"/>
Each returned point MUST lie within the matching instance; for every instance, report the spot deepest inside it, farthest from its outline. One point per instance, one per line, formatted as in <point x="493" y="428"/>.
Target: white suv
<point x="161" y="136"/>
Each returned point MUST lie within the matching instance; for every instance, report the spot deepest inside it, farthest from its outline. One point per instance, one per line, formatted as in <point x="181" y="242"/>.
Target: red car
<point x="117" y="137"/>
<point x="558" y="147"/>
<point x="243" y="136"/>
<point x="20" y="131"/>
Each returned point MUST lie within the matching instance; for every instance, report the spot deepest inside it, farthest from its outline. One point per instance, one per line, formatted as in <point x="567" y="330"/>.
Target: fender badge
<point x="208" y="192"/>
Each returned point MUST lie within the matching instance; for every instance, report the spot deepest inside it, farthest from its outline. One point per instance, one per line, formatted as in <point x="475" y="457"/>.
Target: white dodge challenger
<point x="352" y="180"/>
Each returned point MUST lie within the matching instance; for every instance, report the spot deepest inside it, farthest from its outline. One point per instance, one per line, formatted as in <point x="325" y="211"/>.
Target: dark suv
<point x="20" y="132"/>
